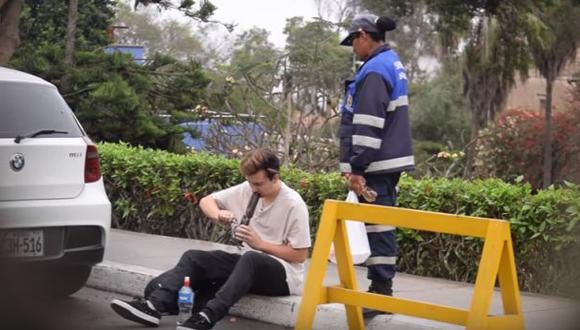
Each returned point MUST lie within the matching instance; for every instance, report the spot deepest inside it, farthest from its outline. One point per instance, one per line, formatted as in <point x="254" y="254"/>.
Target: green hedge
<point x="157" y="192"/>
<point x="545" y="230"/>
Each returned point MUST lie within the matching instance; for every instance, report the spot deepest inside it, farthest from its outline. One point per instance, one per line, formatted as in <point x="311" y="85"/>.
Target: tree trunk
<point x="9" y="18"/>
<point x="548" y="134"/>
<point x="70" y="44"/>
<point x="577" y="162"/>
<point x="470" y="152"/>
<point x="288" y="131"/>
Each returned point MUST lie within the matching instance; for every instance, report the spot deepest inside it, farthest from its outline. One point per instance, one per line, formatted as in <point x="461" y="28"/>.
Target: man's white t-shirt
<point x="284" y="222"/>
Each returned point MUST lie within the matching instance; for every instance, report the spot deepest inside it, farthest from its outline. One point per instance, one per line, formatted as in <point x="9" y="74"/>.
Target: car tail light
<point x="92" y="166"/>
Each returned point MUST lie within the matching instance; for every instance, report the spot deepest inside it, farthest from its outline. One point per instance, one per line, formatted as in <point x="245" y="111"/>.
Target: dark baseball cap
<point x="368" y="23"/>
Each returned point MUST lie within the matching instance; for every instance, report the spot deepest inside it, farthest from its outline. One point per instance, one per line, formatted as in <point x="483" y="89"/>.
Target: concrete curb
<point x="131" y="280"/>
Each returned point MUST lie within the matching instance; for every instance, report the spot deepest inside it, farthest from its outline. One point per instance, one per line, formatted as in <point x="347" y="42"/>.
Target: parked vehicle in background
<point x="54" y="212"/>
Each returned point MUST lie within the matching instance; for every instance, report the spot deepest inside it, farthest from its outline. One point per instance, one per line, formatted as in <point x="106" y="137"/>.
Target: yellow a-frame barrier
<point x="497" y="261"/>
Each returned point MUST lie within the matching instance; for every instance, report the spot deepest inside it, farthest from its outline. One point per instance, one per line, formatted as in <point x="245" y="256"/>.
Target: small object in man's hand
<point x="368" y="194"/>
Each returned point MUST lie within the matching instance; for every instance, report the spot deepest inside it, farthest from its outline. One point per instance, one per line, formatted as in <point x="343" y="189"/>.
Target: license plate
<point x="22" y="243"/>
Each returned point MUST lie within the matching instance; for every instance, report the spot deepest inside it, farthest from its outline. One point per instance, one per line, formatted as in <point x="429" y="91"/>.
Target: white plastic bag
<point x="357" y="237"/>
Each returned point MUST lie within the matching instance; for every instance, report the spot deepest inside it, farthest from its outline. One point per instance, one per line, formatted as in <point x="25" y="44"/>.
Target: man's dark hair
<point x="260" y="159"/>
<point x="384" y="24"/>
<point x="371" y="24"/>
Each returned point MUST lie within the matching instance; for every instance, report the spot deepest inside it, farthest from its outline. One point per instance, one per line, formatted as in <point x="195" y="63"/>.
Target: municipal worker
<point x="375" y="136"/>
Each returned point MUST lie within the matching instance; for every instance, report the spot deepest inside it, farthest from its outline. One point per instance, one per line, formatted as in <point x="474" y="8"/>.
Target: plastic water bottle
<point x="184" y="302"/>
<point x="369" y="194"/>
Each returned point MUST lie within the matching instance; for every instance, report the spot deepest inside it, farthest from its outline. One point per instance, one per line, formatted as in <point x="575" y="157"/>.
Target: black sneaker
<point x="384" y="288"/>
<point x="196" y="322"/>
<point x="137" y="310"/>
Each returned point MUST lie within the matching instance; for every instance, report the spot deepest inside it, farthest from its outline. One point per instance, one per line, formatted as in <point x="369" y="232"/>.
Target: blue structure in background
<point x="245" y="131"/>
<point x="136" y="52"/>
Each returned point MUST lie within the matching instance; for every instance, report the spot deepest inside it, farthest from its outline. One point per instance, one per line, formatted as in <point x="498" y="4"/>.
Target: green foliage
<point x="440" y="112"/>
<point x="169" y="37"/>
<point x="440" y="125"/>
<point x="255" y="58"/>
<point x="253" y="70"/>
<point x="203" y="12"/>
<point x="390" y="7"/>
<point x="318" y="64"/>
<point x="44" y="22"/>
<point x="415" y="37"/>
<point x="426" y="149"/>
<point x="179" y="86"/>
<point x="110" y="90"/>
<point x="553" y="37"/>
<point x="544" y="229"/>
<point x="553" y="44"/>
<point x="291" y="95"/>
<point x="444" y="163"/>
<point x="157" y="192"/>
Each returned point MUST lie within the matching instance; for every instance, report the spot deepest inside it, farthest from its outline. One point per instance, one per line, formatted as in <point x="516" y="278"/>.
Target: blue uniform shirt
<point x="375" y="134"/>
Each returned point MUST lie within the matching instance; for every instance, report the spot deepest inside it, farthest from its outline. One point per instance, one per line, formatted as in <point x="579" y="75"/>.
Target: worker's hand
<point x="357" y="183"/>
<point x="247" y="234"/>
<point x="226" y="217"/>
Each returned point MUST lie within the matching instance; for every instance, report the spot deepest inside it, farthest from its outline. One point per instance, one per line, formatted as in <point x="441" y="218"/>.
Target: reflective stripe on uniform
<point x="366" y="141"/>
<point x="381" y="261"/>
<point x="391" y="163"/>
<point x="345" y="168"/>
<point x="379" y="228"/>
<point x="368" y="120"/>
<point x="402" y="100"/>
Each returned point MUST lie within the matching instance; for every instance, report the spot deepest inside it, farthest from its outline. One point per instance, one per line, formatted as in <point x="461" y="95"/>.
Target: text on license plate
<point x="22" y="243"/>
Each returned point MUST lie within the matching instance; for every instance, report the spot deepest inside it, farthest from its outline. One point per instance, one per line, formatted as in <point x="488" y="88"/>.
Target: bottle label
<point x="185" y="298"/>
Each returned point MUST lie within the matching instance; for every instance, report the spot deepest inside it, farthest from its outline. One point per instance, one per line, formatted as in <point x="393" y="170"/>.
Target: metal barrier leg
<point x="508" y="283"/>
<point x="316" y="293"/>
<point x="346" y="274"/>
<point x="486" y="277"/>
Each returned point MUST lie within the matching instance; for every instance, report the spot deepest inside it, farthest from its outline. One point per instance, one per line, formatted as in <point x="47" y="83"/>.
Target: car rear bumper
<point x="72" y="246"/>
<point x="75" y="230"/>
<point x="85" y="257"/>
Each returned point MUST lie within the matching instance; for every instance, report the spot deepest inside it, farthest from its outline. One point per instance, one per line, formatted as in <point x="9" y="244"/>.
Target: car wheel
<point x="68" y="280"/>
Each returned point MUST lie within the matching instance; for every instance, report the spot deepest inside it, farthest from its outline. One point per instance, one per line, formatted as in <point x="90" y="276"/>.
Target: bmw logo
<point x="17" y="162"/>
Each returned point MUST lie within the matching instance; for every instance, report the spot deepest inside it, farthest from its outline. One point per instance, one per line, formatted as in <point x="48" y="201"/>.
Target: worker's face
<point x="261" y="184"/>
<point x="361" y="45"/>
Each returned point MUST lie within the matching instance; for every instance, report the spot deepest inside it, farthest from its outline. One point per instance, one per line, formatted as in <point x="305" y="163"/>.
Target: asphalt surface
<point x="89" y="309"/>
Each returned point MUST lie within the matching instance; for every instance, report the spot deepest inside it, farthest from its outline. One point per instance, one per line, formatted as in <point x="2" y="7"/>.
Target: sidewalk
<point x="132" y="259"/>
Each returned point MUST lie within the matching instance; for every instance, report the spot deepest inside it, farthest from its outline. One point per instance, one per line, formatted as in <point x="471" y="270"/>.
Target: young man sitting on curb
<point x="271" y="261"/>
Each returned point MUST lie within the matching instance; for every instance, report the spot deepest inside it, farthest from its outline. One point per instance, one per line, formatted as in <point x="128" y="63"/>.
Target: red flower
<point x="190" y="197"/>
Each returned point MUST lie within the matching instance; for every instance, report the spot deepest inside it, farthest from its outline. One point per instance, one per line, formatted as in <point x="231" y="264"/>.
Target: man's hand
<point x="357" y="183"/>
<point x="226" y="217"/>
<point x="247" y="234"/>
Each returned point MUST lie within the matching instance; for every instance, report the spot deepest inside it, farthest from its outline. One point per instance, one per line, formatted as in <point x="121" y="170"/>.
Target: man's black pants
<point x="219" y="279"/>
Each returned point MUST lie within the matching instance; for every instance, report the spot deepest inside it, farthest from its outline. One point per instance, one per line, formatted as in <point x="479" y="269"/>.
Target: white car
<point x="54" y="211"/>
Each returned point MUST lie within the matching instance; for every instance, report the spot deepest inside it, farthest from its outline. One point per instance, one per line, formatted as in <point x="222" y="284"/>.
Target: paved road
<point x="88" y="309"/>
